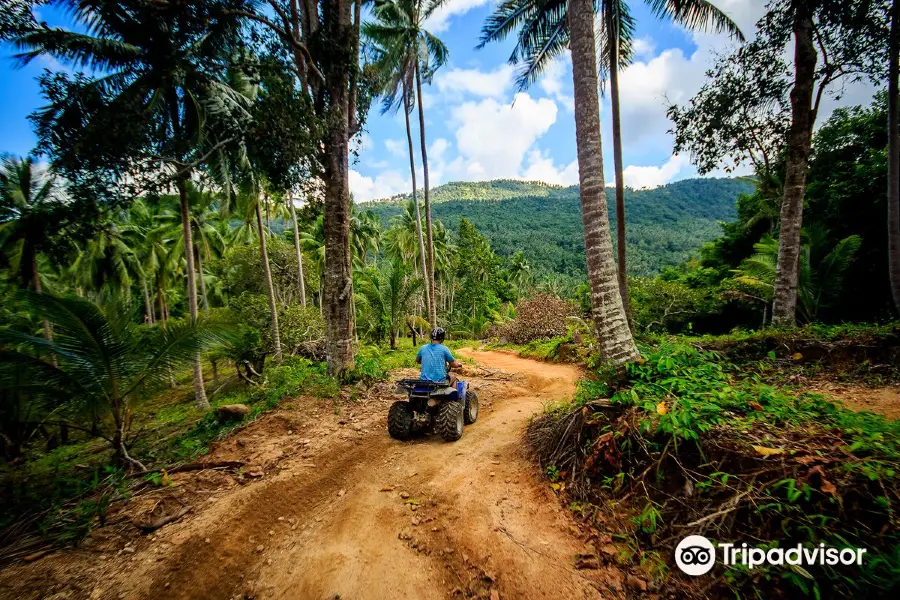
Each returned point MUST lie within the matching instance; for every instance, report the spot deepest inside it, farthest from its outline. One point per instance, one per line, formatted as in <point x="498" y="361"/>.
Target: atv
<point x="431" y="404"/>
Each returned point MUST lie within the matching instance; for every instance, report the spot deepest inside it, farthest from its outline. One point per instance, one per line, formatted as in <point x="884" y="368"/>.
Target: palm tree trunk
<point x="148" y="305"/>
<point x="429" y="281"/>
<point x="299" y="253"/>
<point x="36" y="282"/>
<point x="412" y="173"/>
<point x="199" y="388"/>
<point x="796" y="161"/>
<point x="338" y="286"/>
<point x="270" y="291"/>
<point x="612" y="31"/>
<point x="613" y="335"/>
<point x="202" y="280"/>
<point x="894" y="153"/>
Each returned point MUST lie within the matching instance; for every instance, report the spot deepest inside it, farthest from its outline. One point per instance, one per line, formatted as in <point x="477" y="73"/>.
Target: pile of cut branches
<point x="694" y="446"/>
<point x="540" y="317"/>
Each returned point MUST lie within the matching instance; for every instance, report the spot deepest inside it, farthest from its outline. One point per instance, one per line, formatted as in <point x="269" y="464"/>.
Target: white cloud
<point x="440" y="19"/>
<point x="383" y="185"/>
<point x="643" y="47"/>
<point x="397" y="147"/>
<point x="555" y="79"/>
<point x="541" y="168"/>
<point x="650" y="176"/>
<point x="493" y="138"/>
<point x="487" y="84"/>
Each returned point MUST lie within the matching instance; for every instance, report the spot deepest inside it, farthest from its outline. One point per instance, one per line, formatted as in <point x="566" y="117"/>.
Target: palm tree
<point x="105" y="362"/>
<point x="545" y="31"/>
<point x="300" y="280"/>
<point x="694" y="14"/>
<point x="163" y="63"/>
<point x="313" y="242"/>
<point x="404" y="49"/>
<point x="519" y="270"/>
<point x="401" y="240"/>
<point x="388" y="294"/>
<point x="249" y="208"/>
<point x="29" y="221"/>
<point x="365" y="234"/>
<point x="821" y="267"/>
<point x="106" y="262"/>
<point x="894" y="153"/>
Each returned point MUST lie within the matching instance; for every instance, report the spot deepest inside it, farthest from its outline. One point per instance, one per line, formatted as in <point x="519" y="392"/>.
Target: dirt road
<point x="349" y="513"/>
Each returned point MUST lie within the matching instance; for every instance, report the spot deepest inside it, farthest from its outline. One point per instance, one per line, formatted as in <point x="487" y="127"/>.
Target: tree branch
<point x="285" y="35"/>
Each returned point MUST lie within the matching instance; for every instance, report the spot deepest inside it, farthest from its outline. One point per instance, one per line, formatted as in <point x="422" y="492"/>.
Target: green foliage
<point x="659" y="304"/>
<point x="702" y="437"/>
<point x="385" y="299"/>
<point x="98" y="361"/>
<point x="665" y="226"/>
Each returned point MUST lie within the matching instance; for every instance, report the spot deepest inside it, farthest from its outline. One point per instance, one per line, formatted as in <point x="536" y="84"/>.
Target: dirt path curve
<point x="368" y="517"/>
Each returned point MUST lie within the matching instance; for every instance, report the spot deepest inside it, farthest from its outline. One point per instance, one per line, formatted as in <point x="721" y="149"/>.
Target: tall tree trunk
<point x="270" y="290"/>
<point x="148" y="305"/>
<point x="199" y="388"/>
<point x="429" y="282"/>
<point x="612" y="31"/>
<point x="338" y="285"/>
<point x="796" y="160"/>
<point x="412" y="173"/>
<point x="894" y="154"/>
<point x="299" y="253"/>
<point x="613" y="335"/>
<point x="202" y="280"/>
<point x="36" y="282"/>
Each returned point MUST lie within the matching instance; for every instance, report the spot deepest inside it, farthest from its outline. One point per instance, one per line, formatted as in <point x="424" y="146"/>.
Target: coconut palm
<point x="894" y="153"/>
<point x="519" y="270"/>
<point x="401" y="240"/>
<point x="388" y="294"/>
<point x="30" y="221"/>
<point x="105" y="362"/>
<point x="545" y="30"/>
<point x="406" y="52"/>
<point x="107" y="262"/>
<point x="365" y="234"/>
<point x="313" y="242"/>
<point x="162" y="84"/>
<point x="822" y="270"/>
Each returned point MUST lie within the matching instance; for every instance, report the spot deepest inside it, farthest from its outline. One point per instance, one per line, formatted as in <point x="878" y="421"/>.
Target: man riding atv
<point x="435" y="357"/>
<point x="437" y="400"/>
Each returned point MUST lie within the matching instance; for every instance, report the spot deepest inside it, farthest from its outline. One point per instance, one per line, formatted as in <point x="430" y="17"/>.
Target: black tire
<point x="449" y="422"/>
<point x="400" y="420"/>
<point x="470" y="415"/>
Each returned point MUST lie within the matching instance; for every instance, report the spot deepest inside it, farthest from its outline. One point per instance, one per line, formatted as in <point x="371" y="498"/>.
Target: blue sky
<point x="477" y="128"/>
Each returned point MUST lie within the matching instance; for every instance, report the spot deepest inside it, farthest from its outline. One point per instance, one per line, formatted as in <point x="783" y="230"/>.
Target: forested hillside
<point x="665" y="225"/>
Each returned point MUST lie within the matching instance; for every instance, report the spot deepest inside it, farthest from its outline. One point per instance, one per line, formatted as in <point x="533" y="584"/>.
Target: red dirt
<point x="883" y="400"/>
<point x="329" y="506"/>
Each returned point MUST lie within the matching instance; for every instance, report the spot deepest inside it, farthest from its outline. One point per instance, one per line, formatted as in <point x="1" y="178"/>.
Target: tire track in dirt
<point x="367" y="517"/>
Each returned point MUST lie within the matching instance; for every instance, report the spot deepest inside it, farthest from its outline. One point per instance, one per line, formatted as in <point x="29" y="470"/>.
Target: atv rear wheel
<point x="400" y="420"/>
<point x="449" y="422"/>
<point x="470" y="415"/>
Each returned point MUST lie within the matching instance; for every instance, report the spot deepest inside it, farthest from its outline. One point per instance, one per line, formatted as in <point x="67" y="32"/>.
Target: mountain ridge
<point x="665" y="225"/>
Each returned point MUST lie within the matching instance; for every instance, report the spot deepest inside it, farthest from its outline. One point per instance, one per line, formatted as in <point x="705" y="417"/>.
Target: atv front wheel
<point x="470" y="415"/>
<point x="450" y="421"/>
<point x="400" y="420"/>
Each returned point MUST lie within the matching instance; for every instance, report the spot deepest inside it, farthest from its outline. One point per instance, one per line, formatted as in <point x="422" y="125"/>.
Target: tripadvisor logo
<point x="696" y="555"/>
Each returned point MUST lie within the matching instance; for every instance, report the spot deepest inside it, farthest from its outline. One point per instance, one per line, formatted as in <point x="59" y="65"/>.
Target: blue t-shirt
<point x="434" y="359"/>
